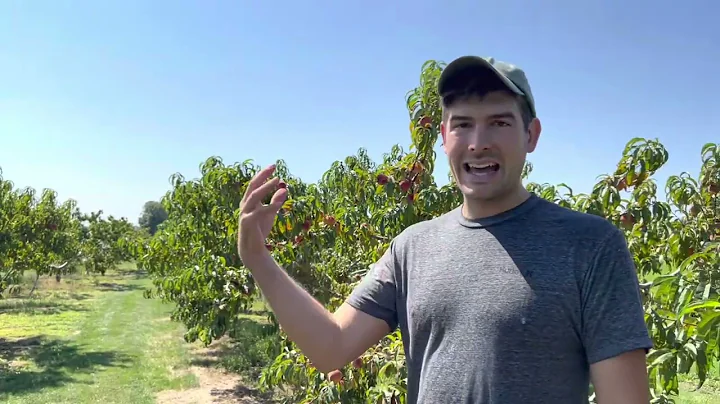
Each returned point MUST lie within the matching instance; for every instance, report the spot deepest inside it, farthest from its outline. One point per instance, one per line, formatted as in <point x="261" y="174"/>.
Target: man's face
<point x="486" y="144"/>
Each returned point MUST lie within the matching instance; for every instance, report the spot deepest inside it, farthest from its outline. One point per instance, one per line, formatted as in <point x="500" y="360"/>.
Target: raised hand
<point x="256" y="218"/>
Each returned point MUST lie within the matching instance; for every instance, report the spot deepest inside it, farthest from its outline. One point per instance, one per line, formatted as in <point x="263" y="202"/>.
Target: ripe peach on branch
<point x="714" y="188"/>
<point x="330" y="220"/>
<point x="622" y="184"/>
<point x="417" y="168"/>
<point x="627" y="220"/>
<point x="335" y="376"/>
<point x="306" y="224"/>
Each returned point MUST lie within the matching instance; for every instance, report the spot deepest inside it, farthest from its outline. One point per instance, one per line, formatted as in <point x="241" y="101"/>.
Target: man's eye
<point x="462" y="125"/>
<point x="501" y="123"/>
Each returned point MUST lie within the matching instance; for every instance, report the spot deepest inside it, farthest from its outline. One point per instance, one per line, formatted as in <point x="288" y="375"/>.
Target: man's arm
<point x="615" y="336"/>
<point x="621" y="379"/>
<point x="329" y="340"/>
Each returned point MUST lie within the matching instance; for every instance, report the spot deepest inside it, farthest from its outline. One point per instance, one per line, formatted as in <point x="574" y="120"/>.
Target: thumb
<point x="277" y="201"/>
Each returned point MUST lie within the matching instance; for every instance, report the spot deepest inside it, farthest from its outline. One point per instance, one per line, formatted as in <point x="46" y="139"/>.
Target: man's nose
<point x="479" y="140"/>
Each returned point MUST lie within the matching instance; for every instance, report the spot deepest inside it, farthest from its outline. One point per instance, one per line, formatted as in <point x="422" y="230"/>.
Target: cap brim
<point x="468" y="66"/>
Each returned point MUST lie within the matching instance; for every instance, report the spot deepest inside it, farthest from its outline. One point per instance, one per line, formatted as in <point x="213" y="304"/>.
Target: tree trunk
<point x="37" y="278"/>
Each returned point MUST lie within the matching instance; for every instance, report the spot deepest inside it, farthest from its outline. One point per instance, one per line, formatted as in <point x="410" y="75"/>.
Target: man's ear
<point x="443" y="133"/>
<point x="534" y="129"/>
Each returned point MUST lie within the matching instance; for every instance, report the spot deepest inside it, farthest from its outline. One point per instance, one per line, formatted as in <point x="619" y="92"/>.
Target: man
<point x="507" y="299"/>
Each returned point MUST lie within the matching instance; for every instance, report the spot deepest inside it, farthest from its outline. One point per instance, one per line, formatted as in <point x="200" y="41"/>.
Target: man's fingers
<point x="258" y="194"/>
<point x="278" y="198"/>
<point x="257" y="181"/>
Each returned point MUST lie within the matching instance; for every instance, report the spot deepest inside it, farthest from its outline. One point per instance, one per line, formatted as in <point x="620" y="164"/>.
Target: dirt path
<point x="98" y="340"/>
<point x="215" y="385"/>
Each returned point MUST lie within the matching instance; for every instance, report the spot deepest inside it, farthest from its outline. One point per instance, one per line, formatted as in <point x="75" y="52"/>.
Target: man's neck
<point x="481" y="209"/>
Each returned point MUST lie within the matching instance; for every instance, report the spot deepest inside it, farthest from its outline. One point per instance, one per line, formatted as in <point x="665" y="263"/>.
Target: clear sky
<point x="104" y="100"/>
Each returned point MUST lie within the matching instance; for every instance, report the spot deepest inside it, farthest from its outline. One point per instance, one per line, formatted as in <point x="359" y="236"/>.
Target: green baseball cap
<point x="456" y="74"/>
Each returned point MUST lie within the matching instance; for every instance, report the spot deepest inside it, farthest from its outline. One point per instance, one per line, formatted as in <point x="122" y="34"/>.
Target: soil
<point x="216" y="386"/>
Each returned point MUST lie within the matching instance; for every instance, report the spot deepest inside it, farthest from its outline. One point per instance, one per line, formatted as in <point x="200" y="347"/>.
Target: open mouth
<point x="482" y="171"/>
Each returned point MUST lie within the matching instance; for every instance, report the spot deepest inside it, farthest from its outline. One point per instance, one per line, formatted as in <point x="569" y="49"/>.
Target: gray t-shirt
<point x="508" y="309"/>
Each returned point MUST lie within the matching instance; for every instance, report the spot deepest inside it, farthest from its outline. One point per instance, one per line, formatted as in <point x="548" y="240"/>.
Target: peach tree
<point x="103" y="242"/>
<point x="329" y="233"/>
<point x="53" y="238"/>
<point x="674" y="243"/>
<point x="38" y="233"/>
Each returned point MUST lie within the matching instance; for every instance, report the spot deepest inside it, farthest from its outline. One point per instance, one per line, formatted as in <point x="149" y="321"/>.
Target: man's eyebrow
<point x="502" y="115"/>
<point x="461" y="118"/>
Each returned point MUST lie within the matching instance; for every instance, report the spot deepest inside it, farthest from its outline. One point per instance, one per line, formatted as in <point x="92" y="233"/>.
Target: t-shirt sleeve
<point x="375" y="295"/>
<point x="612" y="309"/>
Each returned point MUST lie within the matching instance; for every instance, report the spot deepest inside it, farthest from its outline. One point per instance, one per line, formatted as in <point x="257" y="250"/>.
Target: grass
<point x="87" y="340"/>
<point x="708" y="394"/>
<point x="710" y="391"/>
<point x="96" y="339"/>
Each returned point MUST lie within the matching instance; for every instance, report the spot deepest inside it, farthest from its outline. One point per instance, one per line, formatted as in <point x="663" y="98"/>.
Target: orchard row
<point x="329" y="233"/>
<point x="53" y="238"/>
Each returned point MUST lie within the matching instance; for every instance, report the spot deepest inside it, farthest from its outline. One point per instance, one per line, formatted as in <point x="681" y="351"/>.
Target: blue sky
<point x="103" y="101"/>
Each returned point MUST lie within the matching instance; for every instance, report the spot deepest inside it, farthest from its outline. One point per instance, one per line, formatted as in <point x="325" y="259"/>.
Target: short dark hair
<point x="475" y="89"/>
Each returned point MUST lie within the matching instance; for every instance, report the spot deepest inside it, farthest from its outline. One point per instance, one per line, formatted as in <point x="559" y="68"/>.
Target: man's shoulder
<point x="573" y="223"/>
<point x="426" y="228"/>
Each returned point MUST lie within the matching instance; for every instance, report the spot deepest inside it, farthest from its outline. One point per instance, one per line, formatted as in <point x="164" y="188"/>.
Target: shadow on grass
<point x="78" y="296"/>
<point x="256" y="312"/>
<point x="49" y="363"/>
<point x="117" y="287"/>
<point x="135" y="273"/>
<point x="249" y="347"/>
<point x="241" y="392"/>
<point x="37" y="306"/>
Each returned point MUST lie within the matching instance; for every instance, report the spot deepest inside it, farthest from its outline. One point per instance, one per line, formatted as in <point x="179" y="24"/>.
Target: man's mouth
<point x="481" y="172"/>
<point x="481" y="169"/>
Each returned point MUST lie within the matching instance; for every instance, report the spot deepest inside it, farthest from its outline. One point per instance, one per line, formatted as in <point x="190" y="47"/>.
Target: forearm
<point x="310" y="325"/>
<point x="621" y="379"/>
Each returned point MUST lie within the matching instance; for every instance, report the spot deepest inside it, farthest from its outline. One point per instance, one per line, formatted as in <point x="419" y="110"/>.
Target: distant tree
<point x="153" y="214"/>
